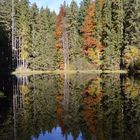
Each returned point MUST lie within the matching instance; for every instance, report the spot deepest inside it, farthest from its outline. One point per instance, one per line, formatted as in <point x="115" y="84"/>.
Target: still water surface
<point x="70" y="107"/>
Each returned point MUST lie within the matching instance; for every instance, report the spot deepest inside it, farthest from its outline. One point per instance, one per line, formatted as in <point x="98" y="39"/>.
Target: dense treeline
<point x="100" y="34"/>
<point x="5" y="35"/>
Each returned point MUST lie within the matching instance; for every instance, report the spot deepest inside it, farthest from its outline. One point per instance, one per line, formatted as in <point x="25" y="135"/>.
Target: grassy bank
<point x="32" y="72"/>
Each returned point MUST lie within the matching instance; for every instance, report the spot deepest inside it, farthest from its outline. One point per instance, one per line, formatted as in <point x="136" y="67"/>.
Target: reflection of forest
<point x="99" y="107"/>
<point x="6" y="118"/>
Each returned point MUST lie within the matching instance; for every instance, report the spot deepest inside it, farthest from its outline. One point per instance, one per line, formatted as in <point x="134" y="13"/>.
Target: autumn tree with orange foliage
<point x="58" y="36"/>
<point x="91" y="45"/>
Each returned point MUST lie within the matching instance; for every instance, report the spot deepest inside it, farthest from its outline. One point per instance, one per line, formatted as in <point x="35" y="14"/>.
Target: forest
<point x="97" y="35"/>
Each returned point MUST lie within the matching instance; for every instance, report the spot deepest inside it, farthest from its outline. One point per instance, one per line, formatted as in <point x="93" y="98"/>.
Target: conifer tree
<point x="117" y="31"/>
<point x="98" y="19"/>
<point x="5" y="35"/>
<point x="42" y="51"/>
<point x="131" y="23"/>
<point x="107" y="35"/>
<point x="23" y="27"/>
<point x="34" y="11"/>
<point x="73" y="34"/>
<point x="131" y="30"/>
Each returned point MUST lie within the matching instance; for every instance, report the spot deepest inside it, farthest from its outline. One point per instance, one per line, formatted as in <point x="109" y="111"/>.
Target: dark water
<point x="70" y="107"/>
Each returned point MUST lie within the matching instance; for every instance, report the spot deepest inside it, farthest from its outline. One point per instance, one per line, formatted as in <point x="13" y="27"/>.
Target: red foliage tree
<point x="91" y="46"/>
<point x="58" y="36"/>
<point x="59" y="27"/>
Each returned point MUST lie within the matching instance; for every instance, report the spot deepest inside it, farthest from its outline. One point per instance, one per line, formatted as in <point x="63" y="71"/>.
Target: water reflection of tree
<point x="91" y="105"/>
<point x="42" y="105"/>
<point x="92" y="95"/>
<point x="132" y="107"/>
<point x="6" y="118"/>
<point x="110" y="109"/>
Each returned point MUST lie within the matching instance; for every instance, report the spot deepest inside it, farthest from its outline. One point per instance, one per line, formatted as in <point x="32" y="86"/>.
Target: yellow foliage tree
<point x="132" y="57"/>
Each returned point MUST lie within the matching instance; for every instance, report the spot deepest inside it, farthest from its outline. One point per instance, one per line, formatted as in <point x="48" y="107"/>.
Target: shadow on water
<point x="70" y="107"/>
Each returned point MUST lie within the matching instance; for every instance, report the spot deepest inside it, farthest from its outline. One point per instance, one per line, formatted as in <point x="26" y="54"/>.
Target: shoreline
<point x="32" y="72"/>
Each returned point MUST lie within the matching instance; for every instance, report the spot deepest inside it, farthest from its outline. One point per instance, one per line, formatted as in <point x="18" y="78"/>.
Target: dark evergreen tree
<point x="131" y="43"/>
<point x="98" y="19"/>
<point x="117" y="31"/>
<point x="43" y="51"/>
<point x="73" y="34"/>
<point x="131" y="23"/>
<point x="112" y="33"/>
<point x="5" y="35"/>
<point x="107" y="36"/>
<point x="34" y="11"/>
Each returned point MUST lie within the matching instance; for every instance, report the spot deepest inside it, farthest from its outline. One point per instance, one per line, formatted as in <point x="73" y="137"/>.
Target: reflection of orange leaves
<point x="92" y="96"/>
<point x="89" y="114"/>
<point x="89" y="100"/>
<point x="93" y="99"/>
<point x="62" y="78"/>
<point x="90" y="118"/>
<point x="102" y="3"/>
<point x="60" y="113"/>
<point x="61" y="66"/>
<point x="58" y="45"/>
<point x="93" y="88"/>
<point x="59" y="98"/>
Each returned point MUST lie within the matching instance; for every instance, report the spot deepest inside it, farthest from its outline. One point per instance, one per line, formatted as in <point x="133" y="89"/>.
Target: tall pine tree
<point x="73" y="34"/>
<point x="23" y="31"/>
<point x="107" y="35"/>
<point x="5" y="35"/>
<point x="131" y="43"/>
<point x="42" y="50"/>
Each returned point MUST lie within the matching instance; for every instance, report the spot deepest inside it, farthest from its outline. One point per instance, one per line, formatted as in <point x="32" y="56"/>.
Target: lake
<point x="70" y="107"/>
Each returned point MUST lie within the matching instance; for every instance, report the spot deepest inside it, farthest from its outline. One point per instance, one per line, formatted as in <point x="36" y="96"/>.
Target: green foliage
<point x="98" y="19"/>
<point x="72" y="28"/>
<point x="113" y="15"/>
<point x="131" y="23"/>
<point x="5" y="35"/>
<point x="42" y="52"/>
<point x="131" y="32"/>
<point x="112" y="28"/>
<point x="132" y="57"/>
<point x="22" y="13"/>
<point x="107" y="35"/>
